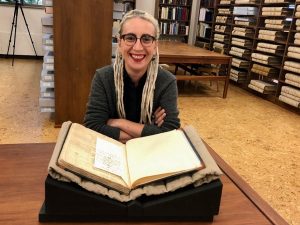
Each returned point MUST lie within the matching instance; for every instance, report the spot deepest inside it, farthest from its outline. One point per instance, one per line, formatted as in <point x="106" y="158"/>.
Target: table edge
<point x="249" y="192"/>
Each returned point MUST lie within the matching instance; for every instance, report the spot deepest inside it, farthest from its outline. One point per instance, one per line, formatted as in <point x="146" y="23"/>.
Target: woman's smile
<point x="137" y="57"/>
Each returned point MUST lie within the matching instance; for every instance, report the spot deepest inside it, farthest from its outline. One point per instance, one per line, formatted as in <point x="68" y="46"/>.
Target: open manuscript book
<point x="124" y="167"/>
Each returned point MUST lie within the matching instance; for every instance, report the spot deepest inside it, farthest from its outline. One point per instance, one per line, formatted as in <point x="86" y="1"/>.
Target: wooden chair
<point x="191" y="68"/>
<point x="201" y="44"/>
<point x="211" y="69"/>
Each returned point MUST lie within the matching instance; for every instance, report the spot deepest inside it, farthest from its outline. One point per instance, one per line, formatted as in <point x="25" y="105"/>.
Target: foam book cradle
<point x="194" y="196"/>
<point x="68" y="202"/>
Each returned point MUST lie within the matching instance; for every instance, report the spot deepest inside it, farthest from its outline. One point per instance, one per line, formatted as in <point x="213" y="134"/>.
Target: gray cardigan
<point x="101" y="105"/>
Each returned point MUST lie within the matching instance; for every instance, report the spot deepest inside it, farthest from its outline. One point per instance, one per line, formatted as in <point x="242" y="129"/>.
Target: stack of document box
<point x="272" y="35"/>
<point x="240" y="63"/>
<point x="263" y="87"/>
<point x="245" y="21"/>
<point x="264" y="70"/>
<point x="297" y="38"/>
<point x="292" y="66"/>
<point x="290" y="96"/>
<point x="265" y="59"/>
<point x="46" y="100"/>
<point x="243" y="32"/>
<point x="292" y="79"/>
<point x="294" y="52"/>
<point x="270" y="48"/>
<point x="240" y="52"/>
<point x="276" y="11"/>
<point x="241" y="42"/>
<point x="237" y="75"/>
<point x="277" y="23"/>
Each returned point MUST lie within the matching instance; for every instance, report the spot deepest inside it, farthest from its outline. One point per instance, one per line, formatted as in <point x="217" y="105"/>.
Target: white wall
<point x="146" y="5"/>
<point x="23" y="43"/>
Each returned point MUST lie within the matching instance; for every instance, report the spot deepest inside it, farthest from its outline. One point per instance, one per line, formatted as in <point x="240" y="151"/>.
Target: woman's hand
<point x="128" y="129"/>
<point x="124" y="137"/>
<point x="159" y="116"/>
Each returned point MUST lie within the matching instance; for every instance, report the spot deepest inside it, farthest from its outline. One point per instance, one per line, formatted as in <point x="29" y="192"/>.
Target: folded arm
<point x="129" y="129"/>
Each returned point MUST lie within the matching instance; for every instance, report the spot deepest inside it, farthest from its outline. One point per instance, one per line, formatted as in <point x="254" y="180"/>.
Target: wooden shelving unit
<point x="244" y="24"/>
<point x="82" y="43"/>
<point x="222" y="26"/>
<point x="269" y="46"/>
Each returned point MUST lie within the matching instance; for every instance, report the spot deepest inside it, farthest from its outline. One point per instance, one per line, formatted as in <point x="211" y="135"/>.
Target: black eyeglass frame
<point x="136" y="38"/>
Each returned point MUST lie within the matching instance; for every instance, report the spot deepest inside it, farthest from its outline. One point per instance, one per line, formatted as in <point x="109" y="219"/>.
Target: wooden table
<point x="24" y="168"/>
<point x="182" y="53"/>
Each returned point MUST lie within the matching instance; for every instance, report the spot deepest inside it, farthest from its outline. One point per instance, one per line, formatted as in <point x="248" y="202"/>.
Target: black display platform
<point x="69" y="202"/>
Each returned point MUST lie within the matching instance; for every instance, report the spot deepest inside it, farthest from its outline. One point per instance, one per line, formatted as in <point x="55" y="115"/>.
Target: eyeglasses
<point x="130" y="39"/>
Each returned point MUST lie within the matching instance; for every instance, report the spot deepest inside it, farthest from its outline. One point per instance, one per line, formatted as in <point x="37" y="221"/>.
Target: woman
<point x="134" y="97"/>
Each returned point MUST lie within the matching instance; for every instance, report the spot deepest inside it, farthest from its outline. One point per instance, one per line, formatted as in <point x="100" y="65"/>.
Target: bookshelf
<point x="288" y="91"/>
<point x="270" y="43"/>
<point x="174" y="19"/>
<point x="262" y="36"/>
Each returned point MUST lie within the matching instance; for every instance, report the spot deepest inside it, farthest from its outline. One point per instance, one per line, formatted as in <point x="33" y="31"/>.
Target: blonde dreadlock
<point x="148" y="91"/>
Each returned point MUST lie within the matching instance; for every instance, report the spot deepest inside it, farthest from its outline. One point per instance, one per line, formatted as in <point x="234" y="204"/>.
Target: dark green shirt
<point x="102" y="103"/>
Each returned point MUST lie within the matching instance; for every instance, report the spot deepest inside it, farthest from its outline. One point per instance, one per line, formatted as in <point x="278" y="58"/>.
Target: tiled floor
<point x="259" y="139"/>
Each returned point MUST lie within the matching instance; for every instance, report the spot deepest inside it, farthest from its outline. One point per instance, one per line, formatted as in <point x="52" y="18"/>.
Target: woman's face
<point x="137" y="55"/>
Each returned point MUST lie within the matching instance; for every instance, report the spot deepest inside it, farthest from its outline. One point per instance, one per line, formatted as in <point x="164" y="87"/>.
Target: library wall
<point x="148" y="6"/>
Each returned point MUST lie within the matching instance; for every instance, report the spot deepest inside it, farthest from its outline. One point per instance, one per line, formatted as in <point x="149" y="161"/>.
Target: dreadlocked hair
<point x="149" y="87"/>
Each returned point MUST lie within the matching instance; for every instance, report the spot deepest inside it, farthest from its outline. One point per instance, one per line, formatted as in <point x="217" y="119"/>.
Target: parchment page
<point x="78" y="155"/>
<point x="165" y="153"/>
